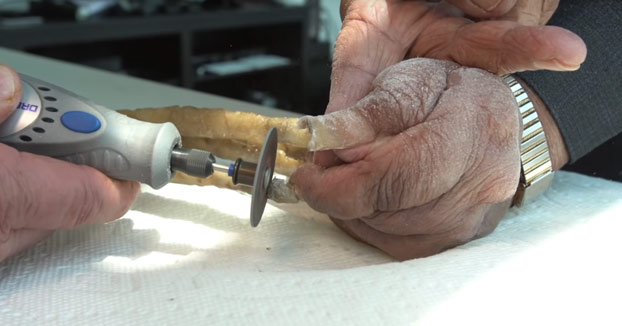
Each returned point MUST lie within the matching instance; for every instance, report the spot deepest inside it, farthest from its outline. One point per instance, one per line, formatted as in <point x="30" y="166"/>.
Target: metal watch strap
<point x="536" y="167"/>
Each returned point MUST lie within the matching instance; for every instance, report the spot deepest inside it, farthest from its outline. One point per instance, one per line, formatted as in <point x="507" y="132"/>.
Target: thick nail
<point x="555" y="65"/>
<point x="7" y="83"/>
<point x="564" y="67"/>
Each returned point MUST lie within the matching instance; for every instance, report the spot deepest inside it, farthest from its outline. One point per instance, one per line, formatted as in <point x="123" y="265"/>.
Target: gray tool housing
<point x="122" y="148"/>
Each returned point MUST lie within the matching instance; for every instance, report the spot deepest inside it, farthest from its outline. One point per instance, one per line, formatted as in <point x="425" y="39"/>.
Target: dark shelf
<point x="135" y="27"/>
<point x="166" y="47"/>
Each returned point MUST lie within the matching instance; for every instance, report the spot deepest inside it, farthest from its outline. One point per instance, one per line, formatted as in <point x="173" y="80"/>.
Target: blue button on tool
<point x="231" y="169"/>
<point x="81" y="122"/>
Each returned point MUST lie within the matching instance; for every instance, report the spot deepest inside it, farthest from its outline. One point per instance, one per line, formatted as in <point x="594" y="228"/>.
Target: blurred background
<point x="275" y="53"/>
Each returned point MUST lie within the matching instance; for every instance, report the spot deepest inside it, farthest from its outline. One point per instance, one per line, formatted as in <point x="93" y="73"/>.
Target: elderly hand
<point x="425" y="175"/>
<point x="39" y="194"/>
<point x="377" y="34"/>
<point x="432" y="159"/>
<point x="526" y="12"/>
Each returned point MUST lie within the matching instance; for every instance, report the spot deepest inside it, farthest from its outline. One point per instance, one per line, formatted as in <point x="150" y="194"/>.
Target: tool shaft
<point x="194" y="162"/>
<point x="244" y="173"/>
<point x="220" y="168"/>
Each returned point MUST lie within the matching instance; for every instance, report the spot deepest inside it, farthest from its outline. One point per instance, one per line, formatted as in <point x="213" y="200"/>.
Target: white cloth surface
<point x="186" y="255"/>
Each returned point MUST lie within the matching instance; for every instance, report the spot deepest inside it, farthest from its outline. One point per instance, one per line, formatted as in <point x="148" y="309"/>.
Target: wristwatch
<point x="536" y="168"/>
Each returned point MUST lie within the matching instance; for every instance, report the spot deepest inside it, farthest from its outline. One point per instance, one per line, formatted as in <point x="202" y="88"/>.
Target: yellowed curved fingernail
<point x="573" y="68"/>
<point x="555" y="65"/>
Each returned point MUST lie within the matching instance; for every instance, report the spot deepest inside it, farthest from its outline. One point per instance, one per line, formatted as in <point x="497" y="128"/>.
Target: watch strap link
<point x="536" y="167"/>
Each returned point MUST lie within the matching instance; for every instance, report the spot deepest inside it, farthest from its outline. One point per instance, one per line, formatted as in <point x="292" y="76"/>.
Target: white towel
<point x="186" y="255"/>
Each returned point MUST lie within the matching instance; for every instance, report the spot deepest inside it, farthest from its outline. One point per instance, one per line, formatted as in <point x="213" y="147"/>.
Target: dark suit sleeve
<point x="587" y="104"/>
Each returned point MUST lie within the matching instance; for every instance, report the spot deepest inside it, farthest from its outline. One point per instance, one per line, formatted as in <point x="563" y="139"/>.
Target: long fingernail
<point x="323" y="132"/>
<point x="7" y="83"/>
<point x="556" y="65"/>
<point x="571" y="68"/>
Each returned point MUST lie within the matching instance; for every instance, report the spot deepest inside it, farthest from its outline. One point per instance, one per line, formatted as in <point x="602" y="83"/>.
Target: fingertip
<point x="304" y="176"/>
<point x="129" y="191"/>
<point x="571" y="49"/>
<point x="46" y="193"/>
<point x="308" y="183"/>
<point x="344" y="191"/>
<point x="104" y="199"/>
<point x="10" y="91"/>
<point x="553" y="48"/>
<point x="303" y="182"/>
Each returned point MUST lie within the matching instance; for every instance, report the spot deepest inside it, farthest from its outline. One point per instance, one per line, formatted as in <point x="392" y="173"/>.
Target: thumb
<point x="345" y="192"/>
<point x="505" y="47"/>
<point x="10" y="91"/>
<point x="43" y="193"/>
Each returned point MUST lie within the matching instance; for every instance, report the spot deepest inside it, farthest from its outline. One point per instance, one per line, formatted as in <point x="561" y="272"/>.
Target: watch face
<point x="26" y="112"/>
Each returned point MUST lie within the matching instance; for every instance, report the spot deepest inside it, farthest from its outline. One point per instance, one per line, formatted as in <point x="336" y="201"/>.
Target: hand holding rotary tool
<point x="54" y="122"/>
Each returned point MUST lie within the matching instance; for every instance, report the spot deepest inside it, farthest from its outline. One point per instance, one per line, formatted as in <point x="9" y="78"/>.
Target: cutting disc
<point x="263" y="176"/>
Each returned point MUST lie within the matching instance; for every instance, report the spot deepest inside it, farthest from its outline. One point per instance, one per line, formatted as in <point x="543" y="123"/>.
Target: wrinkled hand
<point x="425" y="175"/>
<point x="432" y="159"/>
<point x="377" y="34"/>
<point x="526" y="12"/>
<point x="39" y="194"/>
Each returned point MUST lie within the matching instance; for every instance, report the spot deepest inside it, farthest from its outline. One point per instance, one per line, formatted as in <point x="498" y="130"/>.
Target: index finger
<point x="39" y="192"/>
